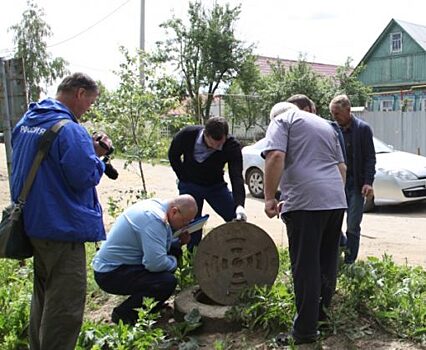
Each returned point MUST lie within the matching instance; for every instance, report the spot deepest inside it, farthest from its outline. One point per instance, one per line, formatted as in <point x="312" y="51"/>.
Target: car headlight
<point x="401" y="174"/>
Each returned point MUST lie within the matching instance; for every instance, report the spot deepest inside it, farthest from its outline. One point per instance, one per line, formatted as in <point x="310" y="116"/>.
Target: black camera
<point x="109" y="150"/>
<point x="110" y="171"/>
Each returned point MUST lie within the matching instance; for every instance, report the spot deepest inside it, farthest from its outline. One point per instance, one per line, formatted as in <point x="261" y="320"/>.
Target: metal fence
<point x="405" y="131"/>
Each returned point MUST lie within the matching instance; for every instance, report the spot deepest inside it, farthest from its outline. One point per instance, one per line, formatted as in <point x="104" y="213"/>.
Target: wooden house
<point x="396" y="68"/>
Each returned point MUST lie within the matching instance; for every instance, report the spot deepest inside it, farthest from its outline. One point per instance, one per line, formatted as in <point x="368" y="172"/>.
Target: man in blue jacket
<point x="360" y="162"/>
<point x="138" y="258"/>
<point x="62" y="210"/>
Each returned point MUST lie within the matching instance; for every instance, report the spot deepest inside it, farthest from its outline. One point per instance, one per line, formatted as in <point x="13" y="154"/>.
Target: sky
<point x="88" y="33"/>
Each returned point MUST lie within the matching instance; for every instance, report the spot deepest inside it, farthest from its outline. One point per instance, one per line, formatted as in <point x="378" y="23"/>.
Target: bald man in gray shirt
<point x="304" y="157"/>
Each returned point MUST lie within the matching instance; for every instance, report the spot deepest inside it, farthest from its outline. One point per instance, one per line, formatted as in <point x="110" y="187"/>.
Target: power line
<point x="90" y="27"/>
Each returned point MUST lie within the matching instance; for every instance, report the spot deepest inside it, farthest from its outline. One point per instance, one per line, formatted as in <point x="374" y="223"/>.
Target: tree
<point x="30" y="39"/>
<point x="347" y="82"/>
<point x="134" y="114"/>
<point x="299" y="78"/>
<point x="206" y="52"/>
<point x="243" y="105"/>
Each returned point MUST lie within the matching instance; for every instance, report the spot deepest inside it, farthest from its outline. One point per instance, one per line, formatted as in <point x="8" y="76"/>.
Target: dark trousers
<point x="59" y="295"/>
<point x="219" y="198"/>
<point x="353" y="220"/>
<point x="138" y="282"/>
<point x="313" y="238"/>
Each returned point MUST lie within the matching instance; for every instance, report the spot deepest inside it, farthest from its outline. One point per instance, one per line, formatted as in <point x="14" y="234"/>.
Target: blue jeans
<point x="219" y="198"/>
<point x="353" y="220"/>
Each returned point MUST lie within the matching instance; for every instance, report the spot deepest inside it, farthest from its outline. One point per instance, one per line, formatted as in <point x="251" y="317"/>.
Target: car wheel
<point x="255" y="182"/>
<point x="369" y="204"/>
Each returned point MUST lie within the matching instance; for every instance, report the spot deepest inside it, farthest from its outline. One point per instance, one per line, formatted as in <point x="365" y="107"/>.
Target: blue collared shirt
<point x="140" y="235"/>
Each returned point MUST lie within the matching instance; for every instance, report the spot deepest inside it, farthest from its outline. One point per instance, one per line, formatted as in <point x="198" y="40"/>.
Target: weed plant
<point x="394" y="296"/>
<point x="268" y="309"/>
<point x="15" y="298"/>
<point x="142" y="335"/>
<point x="369" y="293"/>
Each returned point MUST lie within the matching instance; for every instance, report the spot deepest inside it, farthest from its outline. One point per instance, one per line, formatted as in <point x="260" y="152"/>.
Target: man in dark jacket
<point x="62" y="210"/>
<point x="361" y="162"/>
<point x="198" y="156"/>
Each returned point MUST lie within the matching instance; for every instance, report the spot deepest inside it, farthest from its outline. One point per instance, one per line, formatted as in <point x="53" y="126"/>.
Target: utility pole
<point x="142" y="40"/>
<point x="13" y="101"/>
<point x="6" y="120"/>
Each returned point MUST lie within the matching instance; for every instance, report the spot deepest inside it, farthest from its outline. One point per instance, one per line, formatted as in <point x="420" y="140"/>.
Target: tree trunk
<point x="142" y="176"/>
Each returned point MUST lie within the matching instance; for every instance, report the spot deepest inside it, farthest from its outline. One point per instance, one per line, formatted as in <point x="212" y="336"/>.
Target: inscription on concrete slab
<point x="232" y="257"/>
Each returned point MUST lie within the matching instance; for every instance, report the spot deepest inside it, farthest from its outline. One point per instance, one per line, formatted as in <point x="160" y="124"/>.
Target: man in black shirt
<point x="198" y="156"/>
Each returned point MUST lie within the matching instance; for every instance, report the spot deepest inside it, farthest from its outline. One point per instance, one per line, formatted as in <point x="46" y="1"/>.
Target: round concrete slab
<point x="232" y="257"/>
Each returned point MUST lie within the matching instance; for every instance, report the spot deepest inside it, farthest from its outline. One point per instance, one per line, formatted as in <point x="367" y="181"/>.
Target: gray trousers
<point x="59" y="294"/>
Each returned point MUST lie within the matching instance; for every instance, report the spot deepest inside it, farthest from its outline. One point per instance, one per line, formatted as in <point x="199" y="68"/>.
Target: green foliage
<point x="178" y="332"/>
<point x="206" y="52"/>
<point x="250" y="97"/>
<point x="30" y="39"/>
<point x="125" y="198"/>
<point x="143" y="335"/>
<point x="135" y="114"/>
<point x="390" y="295"/>
<point x="347" y="82"/>
<point x="299" y="78"/>
<point x="243" y="105"/>
<point x="394" y="296"/>
<point x="15" y="297"/>
<point x="269" y="309"/>
<point x="185" y="272"/>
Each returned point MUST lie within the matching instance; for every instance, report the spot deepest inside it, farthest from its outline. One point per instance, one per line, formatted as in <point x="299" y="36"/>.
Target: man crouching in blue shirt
<point x="136" y="258"/>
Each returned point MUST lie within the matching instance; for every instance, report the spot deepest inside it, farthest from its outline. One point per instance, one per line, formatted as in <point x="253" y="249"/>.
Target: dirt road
<point x="397" y="231"/>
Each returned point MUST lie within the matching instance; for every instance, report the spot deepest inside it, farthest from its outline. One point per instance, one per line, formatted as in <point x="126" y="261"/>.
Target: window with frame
<point x="396" y="42"/>
<point x="407" y="105"/>
<point x="386" y="105"/>
<point x="423" y="105"/>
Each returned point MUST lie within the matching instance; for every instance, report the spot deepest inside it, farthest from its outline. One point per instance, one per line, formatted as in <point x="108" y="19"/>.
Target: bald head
<point x="182" y="210"/>
<point x="281" y="107"/>
<point x="186" y="204"/>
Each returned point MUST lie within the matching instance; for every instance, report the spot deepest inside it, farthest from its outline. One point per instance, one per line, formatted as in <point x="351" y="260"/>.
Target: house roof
<point x="416" y="31"/>
<point x="264" y="64"/>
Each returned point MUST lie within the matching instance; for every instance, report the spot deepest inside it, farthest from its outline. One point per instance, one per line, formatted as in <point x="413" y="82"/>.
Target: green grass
<point x="370" y="294"/>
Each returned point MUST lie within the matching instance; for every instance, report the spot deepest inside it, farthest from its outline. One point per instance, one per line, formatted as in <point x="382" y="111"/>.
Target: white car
<point x="400" y="176"/>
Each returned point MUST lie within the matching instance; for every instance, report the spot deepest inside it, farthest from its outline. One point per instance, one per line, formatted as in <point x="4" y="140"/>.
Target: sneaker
<point x="286" y="339"/>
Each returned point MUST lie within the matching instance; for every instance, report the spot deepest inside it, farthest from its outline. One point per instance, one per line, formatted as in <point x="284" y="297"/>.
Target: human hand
<point x="271" y="208"/>
<point x="102" y="144"/>
<point x="240" y="213"/>
<point x="367" y="191"/>
<point x="184" y="238"/>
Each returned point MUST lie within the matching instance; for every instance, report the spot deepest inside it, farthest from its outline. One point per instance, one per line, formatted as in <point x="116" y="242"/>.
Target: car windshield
<point x="381" y="147"/>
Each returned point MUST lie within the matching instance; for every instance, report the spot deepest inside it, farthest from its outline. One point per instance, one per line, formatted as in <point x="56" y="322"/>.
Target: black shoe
<point x="286" y="339"/>
<point x="126" y="319"/>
